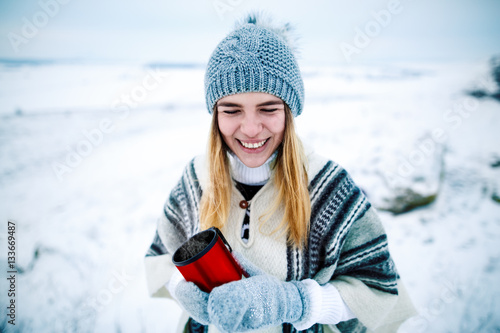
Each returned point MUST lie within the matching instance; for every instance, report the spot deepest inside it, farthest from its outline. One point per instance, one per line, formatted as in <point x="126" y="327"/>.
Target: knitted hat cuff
<point x="240" y="80"/>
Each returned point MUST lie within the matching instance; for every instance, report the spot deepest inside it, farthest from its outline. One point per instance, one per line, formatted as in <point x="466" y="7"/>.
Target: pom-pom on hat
<point x="255" y="57"/>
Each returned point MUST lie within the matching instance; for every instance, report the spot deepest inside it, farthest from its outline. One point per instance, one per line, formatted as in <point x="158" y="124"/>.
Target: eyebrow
<point x="230" y="104"/>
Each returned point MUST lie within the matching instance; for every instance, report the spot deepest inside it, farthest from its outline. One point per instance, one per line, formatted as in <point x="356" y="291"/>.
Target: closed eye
<point x="230" y="111"/>
<point x="269" y="110"/>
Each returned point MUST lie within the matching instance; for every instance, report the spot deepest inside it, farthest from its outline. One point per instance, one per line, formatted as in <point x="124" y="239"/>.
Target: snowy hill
<point x="90" y="152"/>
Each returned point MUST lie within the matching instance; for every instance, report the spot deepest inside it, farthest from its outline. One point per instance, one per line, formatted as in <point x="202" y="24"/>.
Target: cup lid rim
<point x="198" y="255"/>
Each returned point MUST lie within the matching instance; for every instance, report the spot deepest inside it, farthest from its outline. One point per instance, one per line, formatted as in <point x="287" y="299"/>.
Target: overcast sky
<point x="187" y="31"/>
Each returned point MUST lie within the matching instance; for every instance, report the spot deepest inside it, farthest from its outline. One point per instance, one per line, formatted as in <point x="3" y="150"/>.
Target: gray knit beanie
<point x="255" y="58"/>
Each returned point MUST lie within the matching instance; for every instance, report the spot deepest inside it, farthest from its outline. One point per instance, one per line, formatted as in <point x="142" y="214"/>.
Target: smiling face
<point x="252" y="125"/>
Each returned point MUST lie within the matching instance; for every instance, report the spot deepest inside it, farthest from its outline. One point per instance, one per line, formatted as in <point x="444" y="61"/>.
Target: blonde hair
<point x="290" y="179"/>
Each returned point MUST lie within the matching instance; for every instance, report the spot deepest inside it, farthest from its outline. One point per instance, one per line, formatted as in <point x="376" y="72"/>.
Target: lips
<point x="253" y="145"/>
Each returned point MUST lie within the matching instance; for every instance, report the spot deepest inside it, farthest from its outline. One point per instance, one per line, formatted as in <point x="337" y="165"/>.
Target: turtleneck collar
<point x="250" y="176"/>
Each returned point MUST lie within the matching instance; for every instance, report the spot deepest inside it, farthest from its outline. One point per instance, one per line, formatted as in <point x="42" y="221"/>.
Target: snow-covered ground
<point x="89" y="153"/>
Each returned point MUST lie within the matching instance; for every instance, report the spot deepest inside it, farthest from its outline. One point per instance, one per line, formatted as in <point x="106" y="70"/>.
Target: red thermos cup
<point x="205" y="260"/>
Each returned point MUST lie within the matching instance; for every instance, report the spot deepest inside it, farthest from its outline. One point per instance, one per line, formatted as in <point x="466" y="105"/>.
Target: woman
<point x="313" y="245"/>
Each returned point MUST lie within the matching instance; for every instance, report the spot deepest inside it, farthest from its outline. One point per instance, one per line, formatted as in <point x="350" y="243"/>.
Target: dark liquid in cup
<point x="194" y="248"/>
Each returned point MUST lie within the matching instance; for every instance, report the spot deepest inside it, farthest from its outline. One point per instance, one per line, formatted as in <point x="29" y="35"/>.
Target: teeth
<point x="253" y="145"/>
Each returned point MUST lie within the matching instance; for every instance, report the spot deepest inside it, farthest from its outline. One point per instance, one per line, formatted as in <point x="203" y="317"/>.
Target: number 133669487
<point x="11" y="241"/>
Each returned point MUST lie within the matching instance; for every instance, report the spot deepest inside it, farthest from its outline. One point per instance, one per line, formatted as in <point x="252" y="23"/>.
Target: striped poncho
<point x="347" y="245"/>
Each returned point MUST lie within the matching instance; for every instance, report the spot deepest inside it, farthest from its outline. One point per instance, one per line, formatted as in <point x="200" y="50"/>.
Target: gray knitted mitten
<point x="193" y="300"/>
<point x="257" y="302"/>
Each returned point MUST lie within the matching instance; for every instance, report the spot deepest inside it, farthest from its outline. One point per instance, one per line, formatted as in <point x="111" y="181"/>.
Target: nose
<point x="251" y="125"/>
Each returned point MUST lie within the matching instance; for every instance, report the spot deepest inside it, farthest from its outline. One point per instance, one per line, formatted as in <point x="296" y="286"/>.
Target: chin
<point x="253" y="162"/>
